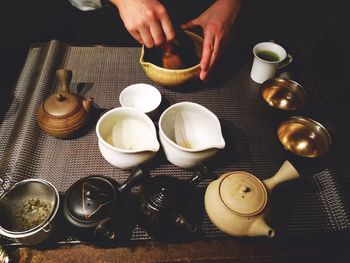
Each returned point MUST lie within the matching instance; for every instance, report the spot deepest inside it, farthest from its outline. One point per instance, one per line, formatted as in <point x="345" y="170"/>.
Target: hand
<point x="146" y="20"/>
<point x="216" y="23"/>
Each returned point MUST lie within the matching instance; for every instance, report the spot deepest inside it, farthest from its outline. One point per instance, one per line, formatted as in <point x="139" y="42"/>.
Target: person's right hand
<point x="146" y="20"/>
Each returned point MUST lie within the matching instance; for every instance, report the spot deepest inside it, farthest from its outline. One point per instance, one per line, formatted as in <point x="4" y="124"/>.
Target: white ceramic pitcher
<point x="189" y="134"/>
<point x="126" y="137"/>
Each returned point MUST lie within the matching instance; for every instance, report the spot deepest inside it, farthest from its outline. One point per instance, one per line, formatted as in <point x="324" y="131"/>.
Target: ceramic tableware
<point x="141" y="96"/>
<point x="126" y="137"/>
<point x="64" y="113"/>
<point x="168" y="207"/>
<point x="268" y="57"/>
<point x="91" y="203"/>
<point x="173" y="77"/>
<point x="190" y="134"/>
<point x="238" y="202"/>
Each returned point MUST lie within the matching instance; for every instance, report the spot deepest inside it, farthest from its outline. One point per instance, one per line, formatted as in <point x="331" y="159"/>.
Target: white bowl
<point x="142" y="97"/>
<point x="189" y="134"/>
<point x="126" y="137"/>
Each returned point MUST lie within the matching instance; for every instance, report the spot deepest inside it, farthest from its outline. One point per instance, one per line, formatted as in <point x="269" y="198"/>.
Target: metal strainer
<point x="27" y="210"/>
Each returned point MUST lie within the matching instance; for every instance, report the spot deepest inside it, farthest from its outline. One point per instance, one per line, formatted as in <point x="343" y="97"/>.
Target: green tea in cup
<point x="268" y="55"/>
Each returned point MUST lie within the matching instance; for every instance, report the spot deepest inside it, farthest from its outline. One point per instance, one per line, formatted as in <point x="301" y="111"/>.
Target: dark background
<point x="319" y="28"/>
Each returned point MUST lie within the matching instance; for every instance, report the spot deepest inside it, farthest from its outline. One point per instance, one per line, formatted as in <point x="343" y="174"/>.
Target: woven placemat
<point x="316" y="204"/>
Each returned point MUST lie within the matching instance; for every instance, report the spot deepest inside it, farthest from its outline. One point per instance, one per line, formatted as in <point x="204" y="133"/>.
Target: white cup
<point x="141" y="96"/>
<point x="264" y="69"/>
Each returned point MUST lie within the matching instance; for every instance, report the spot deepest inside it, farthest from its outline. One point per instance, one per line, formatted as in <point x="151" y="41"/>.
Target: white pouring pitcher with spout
<point x="190" y="134"/>
<point x="126" y="137"/>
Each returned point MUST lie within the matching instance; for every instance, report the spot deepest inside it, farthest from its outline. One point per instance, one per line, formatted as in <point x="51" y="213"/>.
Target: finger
<point x="190" y="24"/>
<point x="203" y="75"/>
<point x="208" y="46"/>
<point x="167" y="27"/>
<point x="146" y="36"/>
<point x="157" y="33"/>
<point x="215" y="53"/>
<point x="136" y="34"/>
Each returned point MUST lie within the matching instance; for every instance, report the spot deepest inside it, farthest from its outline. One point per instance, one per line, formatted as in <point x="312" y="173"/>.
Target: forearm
<point x="116" y="2"/>
<point x="88" y="5"/>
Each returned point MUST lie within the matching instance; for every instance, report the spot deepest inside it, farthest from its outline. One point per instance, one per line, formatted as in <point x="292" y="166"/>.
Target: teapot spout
<point x="182" y="222"/>
<point x="260" y="228"/>
<point x="87" y="103"/>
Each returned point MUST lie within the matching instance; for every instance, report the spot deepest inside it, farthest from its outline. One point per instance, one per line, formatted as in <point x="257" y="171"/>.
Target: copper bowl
<point x="304" y="138"/>
<point x="173" y="77"/>
<point x="281" y="98"/>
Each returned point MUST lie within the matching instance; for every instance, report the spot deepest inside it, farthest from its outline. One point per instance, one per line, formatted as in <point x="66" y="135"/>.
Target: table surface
<point x="214" y="250"/>
<point x="223" y="249"/>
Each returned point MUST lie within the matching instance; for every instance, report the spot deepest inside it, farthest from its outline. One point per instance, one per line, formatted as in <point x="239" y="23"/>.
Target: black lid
<point x="165" y="193"/>
<point x="90" y="200"/>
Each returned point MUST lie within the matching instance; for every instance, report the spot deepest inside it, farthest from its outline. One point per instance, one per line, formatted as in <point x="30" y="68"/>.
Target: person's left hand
<point x="216" y="23"/>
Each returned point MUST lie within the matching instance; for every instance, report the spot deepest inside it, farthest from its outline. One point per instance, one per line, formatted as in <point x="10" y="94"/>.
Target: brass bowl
<point x="304" y="137"/>
<point x="282" y="98"/>
<point x="173" y="77"/>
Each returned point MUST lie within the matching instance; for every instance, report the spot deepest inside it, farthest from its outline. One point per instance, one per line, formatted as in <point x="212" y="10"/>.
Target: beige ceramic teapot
<point x="64" y="113"/>
<point x="238" y="202"/>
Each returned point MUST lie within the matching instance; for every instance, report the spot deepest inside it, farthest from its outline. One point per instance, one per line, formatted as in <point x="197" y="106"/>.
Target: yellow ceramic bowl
<point x="173" y="77"/>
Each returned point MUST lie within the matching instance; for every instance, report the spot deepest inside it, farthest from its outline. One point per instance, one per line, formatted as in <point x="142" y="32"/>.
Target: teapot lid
<point x="62" y="104"/>
<point x="165" y="193"/>
<point x="243" y="193"/>
<point x="90" y="200"/>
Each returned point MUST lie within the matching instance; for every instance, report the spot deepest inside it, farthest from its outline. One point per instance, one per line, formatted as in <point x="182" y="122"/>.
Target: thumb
<point x="190" y="24"/>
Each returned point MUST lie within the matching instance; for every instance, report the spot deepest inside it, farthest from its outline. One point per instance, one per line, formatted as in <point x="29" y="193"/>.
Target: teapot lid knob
<point x="60" y="97"/>
<point x="245" y="189"/>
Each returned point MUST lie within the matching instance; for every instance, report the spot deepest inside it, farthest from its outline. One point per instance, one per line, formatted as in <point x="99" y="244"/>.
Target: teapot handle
<point x="137" y="175"/>
<point x="285" y="173"/>
<point x="64" y="77"/>
<point x="202" y="171"/>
